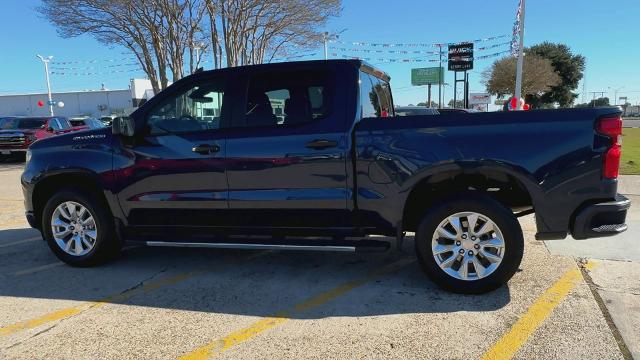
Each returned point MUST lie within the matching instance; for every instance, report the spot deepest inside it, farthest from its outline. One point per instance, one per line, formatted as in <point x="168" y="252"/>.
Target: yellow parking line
<point x="21" y="241"/>
<point x="219" y="346"/>
<point x="511" y="342"/>
<point x="71" y="311"/>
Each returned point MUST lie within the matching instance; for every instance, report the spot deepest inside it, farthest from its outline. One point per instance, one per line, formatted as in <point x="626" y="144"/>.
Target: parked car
<point x="415" y="110"/>
<point x="332" y="172"/>
<point x="85" y="123"/>
<point x="17" y="133"/>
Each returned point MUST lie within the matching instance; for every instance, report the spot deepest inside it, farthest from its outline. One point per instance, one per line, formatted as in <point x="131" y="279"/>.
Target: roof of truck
<point x="355" y="62"/>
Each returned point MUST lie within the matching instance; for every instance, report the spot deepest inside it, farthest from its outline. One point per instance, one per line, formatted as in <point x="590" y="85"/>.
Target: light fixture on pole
<point x="45" y="61"/>
<point x="197" y="47"/>
<point x="326" y="37"/>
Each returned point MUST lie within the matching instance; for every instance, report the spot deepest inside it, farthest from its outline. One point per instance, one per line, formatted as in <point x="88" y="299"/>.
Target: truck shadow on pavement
<point x="242" y="282"/>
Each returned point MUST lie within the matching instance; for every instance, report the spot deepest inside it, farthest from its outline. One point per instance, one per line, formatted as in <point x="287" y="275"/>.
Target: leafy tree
<point x="538" y="76"/>
<point x="458" y="104"/>
<point x="570" y="67"/>
<point x="603" y="101"/>
<point x="599" y="102"/>
<point x="433" y="104"/>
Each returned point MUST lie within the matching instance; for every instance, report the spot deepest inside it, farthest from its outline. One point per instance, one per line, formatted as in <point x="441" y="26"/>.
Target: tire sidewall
<point x="104" y="245"/>
<point x="499" y="214"/>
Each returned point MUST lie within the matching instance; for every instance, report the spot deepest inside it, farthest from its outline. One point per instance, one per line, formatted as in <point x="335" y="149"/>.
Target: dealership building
<point x="94" y="103"/>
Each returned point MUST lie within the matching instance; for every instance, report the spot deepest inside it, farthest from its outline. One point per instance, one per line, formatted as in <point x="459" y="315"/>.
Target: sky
<point x="606" y="33"/>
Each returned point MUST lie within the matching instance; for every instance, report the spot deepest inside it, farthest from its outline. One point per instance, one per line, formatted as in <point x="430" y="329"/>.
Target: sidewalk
<point x="617" y="278"/>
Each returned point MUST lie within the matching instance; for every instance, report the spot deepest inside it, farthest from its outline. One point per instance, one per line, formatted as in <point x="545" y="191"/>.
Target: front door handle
<point x="206" y="149"/>
<point x="321" y="144"/>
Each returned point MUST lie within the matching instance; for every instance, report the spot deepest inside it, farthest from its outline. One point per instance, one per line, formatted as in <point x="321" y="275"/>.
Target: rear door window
<point x="288" y="98"/>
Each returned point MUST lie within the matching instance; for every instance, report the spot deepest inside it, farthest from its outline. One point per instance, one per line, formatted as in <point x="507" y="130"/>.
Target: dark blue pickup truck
<point x="310" y="155"/>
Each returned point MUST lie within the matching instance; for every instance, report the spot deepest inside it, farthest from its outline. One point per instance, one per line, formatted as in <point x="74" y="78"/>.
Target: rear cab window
<point x="375" y="95"/>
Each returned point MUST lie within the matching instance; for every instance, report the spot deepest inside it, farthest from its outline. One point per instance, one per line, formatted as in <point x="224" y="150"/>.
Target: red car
<point x="17" y="133"/>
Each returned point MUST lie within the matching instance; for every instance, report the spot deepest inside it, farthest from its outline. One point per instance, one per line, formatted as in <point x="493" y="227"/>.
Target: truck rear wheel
<point x="79" y="229"/>
<point x="469" y="243"/>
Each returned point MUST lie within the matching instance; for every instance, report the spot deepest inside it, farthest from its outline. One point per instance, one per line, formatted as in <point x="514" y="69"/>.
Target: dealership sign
<point x="461" y="57"/>
<point x="479" y="98"/>
<point x="427" y="76"/>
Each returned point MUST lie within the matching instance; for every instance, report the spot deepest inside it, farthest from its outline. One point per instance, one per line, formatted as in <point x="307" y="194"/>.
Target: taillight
<point x="612" y="128"/>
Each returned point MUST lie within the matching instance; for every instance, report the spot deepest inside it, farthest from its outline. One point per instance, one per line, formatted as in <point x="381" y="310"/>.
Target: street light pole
<point x="518" y="90"/>
<point x="45" y="61"/>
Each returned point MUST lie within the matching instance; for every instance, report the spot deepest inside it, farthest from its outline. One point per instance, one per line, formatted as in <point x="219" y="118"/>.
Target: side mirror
<point x="50" y="129"/>
<point x="124" y="126"/>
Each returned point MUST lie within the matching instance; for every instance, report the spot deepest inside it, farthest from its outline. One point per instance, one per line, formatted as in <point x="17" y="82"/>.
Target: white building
<point x="93" y="103"/>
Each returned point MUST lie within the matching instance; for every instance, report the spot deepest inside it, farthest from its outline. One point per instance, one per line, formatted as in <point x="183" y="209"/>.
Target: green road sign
<point x="425" y="76"/>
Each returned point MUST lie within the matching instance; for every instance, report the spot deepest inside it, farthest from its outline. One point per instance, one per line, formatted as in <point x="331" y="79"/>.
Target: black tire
<point x="107" y="244"/>
<point x="474" y="202"/>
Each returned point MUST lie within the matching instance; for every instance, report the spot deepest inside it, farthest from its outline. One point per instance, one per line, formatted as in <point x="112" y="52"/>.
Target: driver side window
<point x="196" y="108"/>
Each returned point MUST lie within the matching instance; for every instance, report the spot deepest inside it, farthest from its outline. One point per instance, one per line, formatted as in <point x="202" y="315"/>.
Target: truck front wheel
<point x="79" y="229"/>
<point x="469" y="243"/>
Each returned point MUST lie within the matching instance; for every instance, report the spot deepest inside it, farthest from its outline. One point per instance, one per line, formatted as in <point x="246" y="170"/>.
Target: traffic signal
<point x="40" y="103"/>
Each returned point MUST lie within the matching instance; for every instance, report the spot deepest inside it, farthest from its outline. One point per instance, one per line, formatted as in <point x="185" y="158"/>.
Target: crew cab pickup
<point x="310" y="156"/>
<point x="17" y="133"/>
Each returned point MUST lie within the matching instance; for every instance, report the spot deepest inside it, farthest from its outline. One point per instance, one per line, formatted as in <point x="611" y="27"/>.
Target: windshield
<point x="17" y="123"/>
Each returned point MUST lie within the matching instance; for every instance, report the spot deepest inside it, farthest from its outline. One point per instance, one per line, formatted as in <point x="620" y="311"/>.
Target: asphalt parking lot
<point x="569" y="300"/>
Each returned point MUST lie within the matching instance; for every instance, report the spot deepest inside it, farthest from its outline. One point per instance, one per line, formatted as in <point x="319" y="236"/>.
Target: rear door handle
<point x="206" y="149"/>
<point x="321" y="144"/>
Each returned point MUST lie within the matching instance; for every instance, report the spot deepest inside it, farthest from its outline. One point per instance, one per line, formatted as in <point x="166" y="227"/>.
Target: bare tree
<point x="538" y="76"/>
<point x="256" y="31"/>
<point x="157" y="32"/>
<point x="161" y="33"/>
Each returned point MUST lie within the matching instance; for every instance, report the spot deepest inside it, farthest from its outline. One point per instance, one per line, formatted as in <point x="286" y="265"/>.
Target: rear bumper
<point x="601" y="219"/>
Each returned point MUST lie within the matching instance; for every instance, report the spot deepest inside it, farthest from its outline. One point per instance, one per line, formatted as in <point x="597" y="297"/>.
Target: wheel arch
<point x="69" y="179"/>
<point x="510" y="185"/>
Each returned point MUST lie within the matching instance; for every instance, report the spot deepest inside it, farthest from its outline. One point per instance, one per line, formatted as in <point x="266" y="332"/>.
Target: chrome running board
<point x="253" y="246"/>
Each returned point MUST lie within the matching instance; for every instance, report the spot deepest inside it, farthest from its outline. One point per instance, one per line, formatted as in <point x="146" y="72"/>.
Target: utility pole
<point x="615" y="93"/>
<point x="45" y="61"/>
<point x="518" y="92"/>
<point x="325" y="40"/>
<point x="594" y="96"/>
<point x="441" y="78"/>
<point x="584" y="88"/>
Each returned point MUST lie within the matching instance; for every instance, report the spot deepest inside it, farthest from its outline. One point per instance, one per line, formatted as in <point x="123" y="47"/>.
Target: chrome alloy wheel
<point x="74" y="228"/>
<point x="468" y="246"/>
